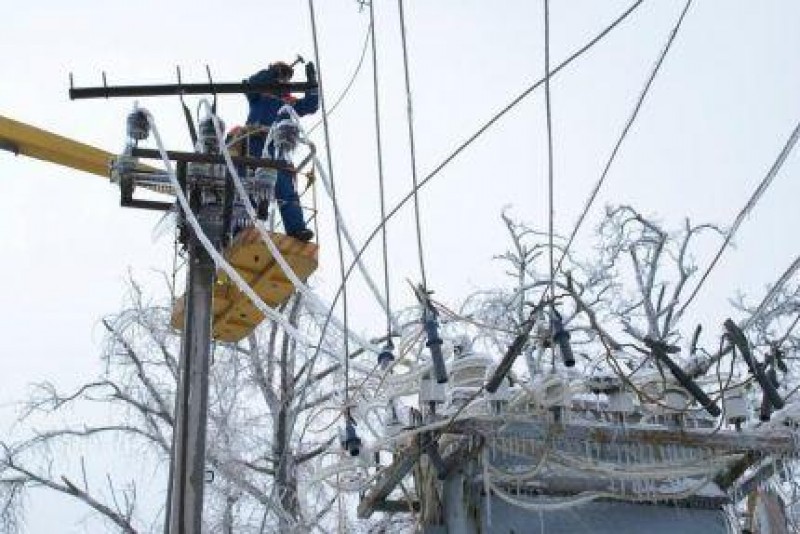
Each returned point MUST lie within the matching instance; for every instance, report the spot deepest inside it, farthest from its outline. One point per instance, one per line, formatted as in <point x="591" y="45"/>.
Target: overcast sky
<point x="717" y="116"/>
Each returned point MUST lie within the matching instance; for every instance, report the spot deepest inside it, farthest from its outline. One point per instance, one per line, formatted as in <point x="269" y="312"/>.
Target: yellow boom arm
<point x="30" y="141"/>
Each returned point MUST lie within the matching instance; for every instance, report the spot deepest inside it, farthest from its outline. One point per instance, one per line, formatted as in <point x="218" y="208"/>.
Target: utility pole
<point x="204" y="178"/>
<point x="187" y="464"/>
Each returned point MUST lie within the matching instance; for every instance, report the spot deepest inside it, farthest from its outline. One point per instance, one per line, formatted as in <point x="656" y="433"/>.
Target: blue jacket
<point x="264" y="108"/>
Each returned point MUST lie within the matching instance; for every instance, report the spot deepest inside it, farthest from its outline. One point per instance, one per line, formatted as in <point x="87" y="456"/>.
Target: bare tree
<point x="255" y="456"/>
<point x="273" y="401"/>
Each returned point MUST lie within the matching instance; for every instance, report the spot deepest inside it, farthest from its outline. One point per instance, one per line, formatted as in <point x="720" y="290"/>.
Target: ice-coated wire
<point x="346" y="90"/>
<point x="412" y="146"/>
<point x="748" y="207"/>
<point x="623" y="135"/>
<point x="772" y="293"/>
<point x="380" y="170"/>
<point x="550" y="184"/>
<point x="337" y="220"/>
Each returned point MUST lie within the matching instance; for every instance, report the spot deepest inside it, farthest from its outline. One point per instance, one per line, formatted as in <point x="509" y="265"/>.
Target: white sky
<point x="718" y="114"/>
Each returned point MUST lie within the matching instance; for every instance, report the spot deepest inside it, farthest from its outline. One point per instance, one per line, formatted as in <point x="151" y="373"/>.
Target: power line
<point x="772" y="293"/>
<point x="549" y="143"/>
<point x="756" y="196"/>
<point x="410" y="113"/>
<point x="341" y="289"/>
<point x="346" y="90"/>
<point x="380" y="171"/>
<point x="343" y="286"/>
<point x="624" y="134"/>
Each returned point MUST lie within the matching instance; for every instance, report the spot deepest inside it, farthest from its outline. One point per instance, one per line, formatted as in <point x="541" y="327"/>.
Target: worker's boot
<point x="304" y="235"/>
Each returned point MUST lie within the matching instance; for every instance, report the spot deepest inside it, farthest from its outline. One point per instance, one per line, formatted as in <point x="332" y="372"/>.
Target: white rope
<point x="219" y="260"/>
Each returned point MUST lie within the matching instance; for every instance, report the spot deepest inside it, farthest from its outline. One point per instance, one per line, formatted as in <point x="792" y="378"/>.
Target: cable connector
<point x="386" y="356"/>
<point x="434" y="342"/>
<point x="561" y="338"/>
<point x="738" y="338"/>
<point x="349" y="438"/>
<point x="660" y="351"/>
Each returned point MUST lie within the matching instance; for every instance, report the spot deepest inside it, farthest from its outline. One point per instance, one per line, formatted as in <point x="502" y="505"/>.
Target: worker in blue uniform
<point x="264" y="108"/>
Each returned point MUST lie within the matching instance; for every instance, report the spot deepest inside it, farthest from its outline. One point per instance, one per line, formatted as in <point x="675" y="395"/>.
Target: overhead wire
<point x="411" y="144"/>
<point x="642" y="96"/>
<point x="772" y="293"/>
<point x="356" y="260"/>
<point x="338" y="214"/>
<point x="326" y="129"/>
<point x="550" y="183"/>
<point x="367" y="36"/>
<point x="485" y="127"/>
<point x="381" y="184"/>
<point x="748" y="207"/>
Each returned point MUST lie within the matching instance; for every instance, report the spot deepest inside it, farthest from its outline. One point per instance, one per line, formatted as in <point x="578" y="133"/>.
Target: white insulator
<point x="431" y="391"/>
<point x="503" y="392"/>
<point x="735" y="406"/>
<point x="676" y="399"/>
<point x="462" y="346"/>
<point x="457" y="397"/>
<point x="621" y="402"/>
<point x="393" y="427"/>
<point x="285" y="136"/>
<point x="469" y="371"/>
<point x="603" y="383"/>
<point x="552" y="390"/>
<point x="530" y="359"/>
<point x="448" y="349"/>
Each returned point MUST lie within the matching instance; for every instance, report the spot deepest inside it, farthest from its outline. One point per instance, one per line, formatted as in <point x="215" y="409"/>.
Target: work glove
<point x="311" y="72"/>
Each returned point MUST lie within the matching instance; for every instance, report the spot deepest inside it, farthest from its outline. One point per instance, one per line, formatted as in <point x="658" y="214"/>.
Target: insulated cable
<point x="326" y="182"/>
<point x="219" y="260"/>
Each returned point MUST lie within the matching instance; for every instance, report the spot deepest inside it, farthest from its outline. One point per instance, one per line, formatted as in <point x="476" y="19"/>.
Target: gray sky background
<point x="717" y="116"/>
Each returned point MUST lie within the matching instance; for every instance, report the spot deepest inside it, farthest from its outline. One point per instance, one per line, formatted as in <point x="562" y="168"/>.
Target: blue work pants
<point x="289" y="203"/>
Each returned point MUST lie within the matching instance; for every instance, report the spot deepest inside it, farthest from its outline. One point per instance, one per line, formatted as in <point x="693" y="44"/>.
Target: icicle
<point x="488" y="490"/>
